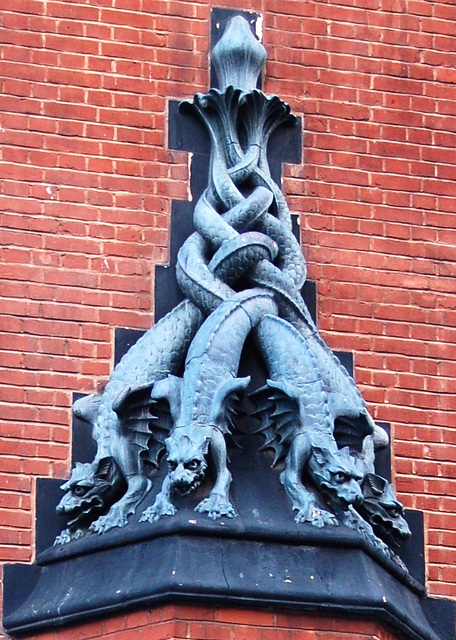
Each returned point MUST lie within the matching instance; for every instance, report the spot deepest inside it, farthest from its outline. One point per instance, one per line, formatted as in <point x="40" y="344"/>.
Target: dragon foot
<point x="216" y="506"/>
<point x="316" y="517"/>
<point x="114" y="518"/>
<point x="68" y="536"/>
<point x="157" y="510"/>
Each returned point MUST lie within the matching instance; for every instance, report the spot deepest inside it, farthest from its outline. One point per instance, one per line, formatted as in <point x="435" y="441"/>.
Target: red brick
<point x="245" y="617"/>
<point x="86" y="190"/>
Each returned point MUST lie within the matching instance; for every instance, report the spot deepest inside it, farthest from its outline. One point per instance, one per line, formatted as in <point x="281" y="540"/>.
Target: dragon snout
<point x="65" y="505"/>
<point x="356" y="493"/>
<point x="345" y="494"/>
<point x="358" y="499"/>
<point x="183" y="480"/>
<point x="405" y="533"/>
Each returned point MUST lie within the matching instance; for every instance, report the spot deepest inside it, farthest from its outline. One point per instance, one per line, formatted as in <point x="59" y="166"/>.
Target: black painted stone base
<point x="207" y="569"/>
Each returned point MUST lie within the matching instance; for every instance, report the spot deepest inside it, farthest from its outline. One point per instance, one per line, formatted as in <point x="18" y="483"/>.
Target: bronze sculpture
<point x="241" y="272"/>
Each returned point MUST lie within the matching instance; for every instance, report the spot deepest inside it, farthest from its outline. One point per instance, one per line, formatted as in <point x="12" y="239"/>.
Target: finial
<point x="238" y="57"/>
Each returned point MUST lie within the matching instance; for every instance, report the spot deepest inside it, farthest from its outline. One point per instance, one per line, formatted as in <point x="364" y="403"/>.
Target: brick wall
<point x="183" y="622"/>
<point x="85" y="198"/>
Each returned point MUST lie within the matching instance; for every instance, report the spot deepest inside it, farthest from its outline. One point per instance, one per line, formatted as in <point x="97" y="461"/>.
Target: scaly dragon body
<point x="203" y="404"/>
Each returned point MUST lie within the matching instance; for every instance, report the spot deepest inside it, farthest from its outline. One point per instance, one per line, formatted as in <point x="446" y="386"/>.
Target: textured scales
<point x="241" y="269"/>
<point x="207" y="405"/>
<point x="297" y="424"/>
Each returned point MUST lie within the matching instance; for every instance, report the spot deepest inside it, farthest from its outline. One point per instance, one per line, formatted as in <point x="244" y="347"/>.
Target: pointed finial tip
<point x="238" y="57"/>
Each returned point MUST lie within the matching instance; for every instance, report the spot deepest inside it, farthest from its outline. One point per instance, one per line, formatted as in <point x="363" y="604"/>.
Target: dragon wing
<point x="145" y="421"/>
<point x="351" y="431"/>
<point x="278" y="412"/>
<point x="225" y="404"/>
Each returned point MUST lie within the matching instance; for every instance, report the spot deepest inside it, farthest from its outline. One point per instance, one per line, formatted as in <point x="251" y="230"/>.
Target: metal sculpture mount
<point x="241" y="272"/>
<point x="229" y="436"/>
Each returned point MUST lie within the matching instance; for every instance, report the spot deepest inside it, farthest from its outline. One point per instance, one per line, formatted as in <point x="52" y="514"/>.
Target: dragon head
<point x="195" y="417"/>
<point x="187" y="449"/>
<point x="90" y="491"/>
<point x="336" y="476"/>
<point x="382" y="510"/>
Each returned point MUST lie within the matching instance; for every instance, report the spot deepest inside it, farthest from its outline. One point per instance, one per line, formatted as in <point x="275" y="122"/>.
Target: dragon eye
<point x="79" y="491"/>
<point x="394" y="512"/>
<point x="340" y="477"/>
<point x="172" y="464"/>
<point x="193" y="465"/>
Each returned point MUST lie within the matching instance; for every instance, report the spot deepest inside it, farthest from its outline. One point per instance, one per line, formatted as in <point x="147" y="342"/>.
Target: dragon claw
<point x="68" y="536"/>
<point x="114" y="518"/>
<point x="216" y="506"/>
<point x="156" y="511"/>
<point x="316" y="517"/>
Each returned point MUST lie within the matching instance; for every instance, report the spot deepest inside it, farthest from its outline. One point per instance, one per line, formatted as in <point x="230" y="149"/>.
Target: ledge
<point x="260" y="559"/>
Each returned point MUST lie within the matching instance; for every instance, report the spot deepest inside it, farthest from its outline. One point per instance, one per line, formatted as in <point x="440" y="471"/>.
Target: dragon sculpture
<point x="204" y="403"/>
<point x="241" y="273"/>
<point x="383" y="511"/>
